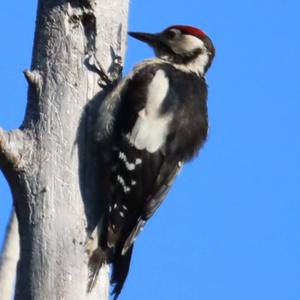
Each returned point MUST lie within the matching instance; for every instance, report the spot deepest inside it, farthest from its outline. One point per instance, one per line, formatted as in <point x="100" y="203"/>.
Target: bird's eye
<point x="171" y="34"/>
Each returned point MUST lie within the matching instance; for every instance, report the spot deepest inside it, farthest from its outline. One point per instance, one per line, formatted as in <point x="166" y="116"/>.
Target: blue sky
<point x="229" y="228"/>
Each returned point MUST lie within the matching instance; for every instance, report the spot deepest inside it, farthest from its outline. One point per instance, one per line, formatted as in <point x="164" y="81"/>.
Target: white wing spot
<point x="138" y="161"/>
<point x="121" y="214"/>
<point x="115" y="205"/>
<point x="123" y="157"/>
<point x="130" y="166"/>
<point x="126" y="189"/>
<point x="142" y="226"/>
<point x="110" y="208"/>
<point x="151" y="128"/>
<point x="133" y="182"/>
<point x="124" y="207"/>
<point x="121" y="180"/>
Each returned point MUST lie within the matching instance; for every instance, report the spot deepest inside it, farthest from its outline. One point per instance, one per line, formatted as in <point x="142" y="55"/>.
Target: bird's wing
<point x="164" y="181"/>
<point x="107" y="112"/>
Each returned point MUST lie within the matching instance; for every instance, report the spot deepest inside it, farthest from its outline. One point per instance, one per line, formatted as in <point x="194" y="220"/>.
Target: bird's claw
<point x="110" y="77"/>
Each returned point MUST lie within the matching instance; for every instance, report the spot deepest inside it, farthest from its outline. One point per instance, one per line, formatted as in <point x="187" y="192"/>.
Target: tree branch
<point x="9" y="258"/>
<point x="33" y="78"/>
<point x="10" y="148"/>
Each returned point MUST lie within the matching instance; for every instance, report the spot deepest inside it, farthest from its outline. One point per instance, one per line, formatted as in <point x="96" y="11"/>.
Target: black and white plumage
<point x="153" y="122"/>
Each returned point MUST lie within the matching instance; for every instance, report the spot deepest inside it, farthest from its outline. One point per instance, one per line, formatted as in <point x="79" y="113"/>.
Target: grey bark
<point x="51" y="162"/>
<point x="9" y="258"/>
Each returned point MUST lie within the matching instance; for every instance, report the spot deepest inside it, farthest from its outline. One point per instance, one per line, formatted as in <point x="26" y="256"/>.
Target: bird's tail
<point x="120" y="270"/>
<point x="95" y="263"/>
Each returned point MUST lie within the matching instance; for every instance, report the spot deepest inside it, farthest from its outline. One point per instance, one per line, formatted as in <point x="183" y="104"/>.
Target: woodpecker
<point x="153" y="122"/>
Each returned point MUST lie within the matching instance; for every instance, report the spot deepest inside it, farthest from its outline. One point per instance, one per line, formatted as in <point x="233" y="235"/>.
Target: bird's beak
<point x="148" y="38"/>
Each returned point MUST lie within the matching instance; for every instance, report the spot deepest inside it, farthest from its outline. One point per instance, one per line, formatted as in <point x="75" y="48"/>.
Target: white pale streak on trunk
<point x="9" y="259"/>
<point x="104" y="282"/>
<point x="53" y="175"/>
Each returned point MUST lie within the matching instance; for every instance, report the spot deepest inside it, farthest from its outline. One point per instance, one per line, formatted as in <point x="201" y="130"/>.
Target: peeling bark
<point x="51" y="162"/>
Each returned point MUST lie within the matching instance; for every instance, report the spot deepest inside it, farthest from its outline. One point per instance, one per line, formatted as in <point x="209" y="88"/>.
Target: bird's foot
<point x="109" y="78"/>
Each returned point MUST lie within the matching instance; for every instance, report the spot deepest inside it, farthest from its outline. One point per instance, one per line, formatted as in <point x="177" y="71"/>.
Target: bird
<point x="151" y="123"/>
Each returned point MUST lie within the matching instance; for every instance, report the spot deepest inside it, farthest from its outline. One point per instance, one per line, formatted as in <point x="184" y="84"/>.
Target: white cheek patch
<point x="187" y="43"/>
<point x="151" y="129"/>
<point x="198" y="65"/>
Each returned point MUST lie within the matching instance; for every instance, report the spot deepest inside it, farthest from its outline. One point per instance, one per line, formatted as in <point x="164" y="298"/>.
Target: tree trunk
<point x="51" y="162"/>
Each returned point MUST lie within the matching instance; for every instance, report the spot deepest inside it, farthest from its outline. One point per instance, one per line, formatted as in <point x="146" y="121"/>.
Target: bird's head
<point x="186" y="46"/>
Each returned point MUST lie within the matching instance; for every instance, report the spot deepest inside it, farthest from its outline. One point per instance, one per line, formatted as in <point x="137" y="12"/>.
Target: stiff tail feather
<point x="94" y="266"/>
<point x="120" y="271"/>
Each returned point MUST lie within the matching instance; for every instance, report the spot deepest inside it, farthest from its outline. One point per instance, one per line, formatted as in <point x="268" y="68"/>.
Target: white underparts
<point x="151" y="128"/>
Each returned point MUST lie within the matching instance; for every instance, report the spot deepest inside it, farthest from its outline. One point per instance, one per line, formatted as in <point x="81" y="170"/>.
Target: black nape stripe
<point x="176" y="58"/>
<point x="187" y="57"/>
